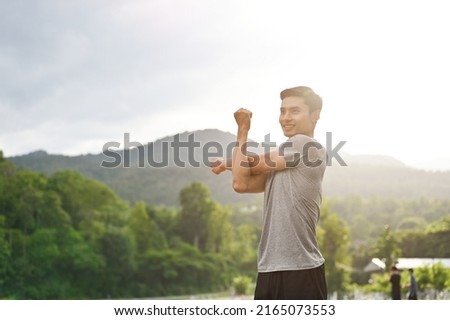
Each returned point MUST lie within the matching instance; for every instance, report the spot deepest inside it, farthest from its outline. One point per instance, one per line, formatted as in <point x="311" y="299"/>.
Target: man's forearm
<point x="240" y="169"/>
<point x="228" y="163"/>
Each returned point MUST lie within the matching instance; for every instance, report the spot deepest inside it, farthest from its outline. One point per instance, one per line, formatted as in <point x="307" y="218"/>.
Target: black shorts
<point x="292" y="285"/>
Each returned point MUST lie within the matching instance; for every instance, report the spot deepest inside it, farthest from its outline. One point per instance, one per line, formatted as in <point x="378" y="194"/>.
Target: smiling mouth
<point x="288" y="126"/>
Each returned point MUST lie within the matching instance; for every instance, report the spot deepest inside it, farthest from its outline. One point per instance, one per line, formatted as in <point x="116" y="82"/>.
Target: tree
<point x="78" y="266"/>
<point x="242" y="251"/>
<point x="41" y="276"/>
<point x="219" y="230"/>
<point x="185" y="270"/>
<point x="167" y="220"/>
<point x="5" y="258"/>
<point x="387" y="247"/>
<point x="204" y="223"/>
<point x="196" y="206"/>
<point x="86" y="199"/>
<point x="145" y="232"/>
<point x="333" y="236"/>
<point x="116" y="247"/>
<point x="435" y="277"/>
<point x="27" y="190"/>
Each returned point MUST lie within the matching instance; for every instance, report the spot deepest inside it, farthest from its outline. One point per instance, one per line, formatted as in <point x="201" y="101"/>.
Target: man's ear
<point x="315" y="115"/>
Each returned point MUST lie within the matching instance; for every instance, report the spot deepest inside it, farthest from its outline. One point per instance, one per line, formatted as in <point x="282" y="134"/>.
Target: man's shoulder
<point x="298" y="147"/>
<point x="301" y="140"/>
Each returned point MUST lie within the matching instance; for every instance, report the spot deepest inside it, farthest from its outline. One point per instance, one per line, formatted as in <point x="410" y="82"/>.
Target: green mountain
<point x="159" y="183"/>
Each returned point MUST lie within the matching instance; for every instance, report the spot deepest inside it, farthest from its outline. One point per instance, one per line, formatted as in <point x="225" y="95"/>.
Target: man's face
<point x="295" y="117"/>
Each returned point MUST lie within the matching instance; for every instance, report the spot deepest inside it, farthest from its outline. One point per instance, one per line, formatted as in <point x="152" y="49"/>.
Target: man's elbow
<point x="239" y="187"/>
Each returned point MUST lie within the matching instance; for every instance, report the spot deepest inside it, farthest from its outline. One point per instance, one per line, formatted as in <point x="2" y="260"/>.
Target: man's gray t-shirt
<point x="292" y="199"/>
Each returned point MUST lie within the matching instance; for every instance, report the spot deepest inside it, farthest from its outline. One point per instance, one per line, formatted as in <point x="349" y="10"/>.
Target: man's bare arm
<point x="240" y="168"/>
<point x="249" y="172"/>
<point x="259" y="164"/>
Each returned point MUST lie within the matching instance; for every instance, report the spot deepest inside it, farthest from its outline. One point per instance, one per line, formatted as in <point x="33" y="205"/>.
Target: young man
<point x="412" y="295"/>
<point x="395" y="280"/>
<point x="290" y="265"/>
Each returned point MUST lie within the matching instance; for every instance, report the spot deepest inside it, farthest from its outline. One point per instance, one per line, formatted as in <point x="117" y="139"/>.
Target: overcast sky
<point x="77" y="74"/>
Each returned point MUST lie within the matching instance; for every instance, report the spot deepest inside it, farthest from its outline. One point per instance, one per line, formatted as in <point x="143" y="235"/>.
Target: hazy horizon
<point x="342" y="152"/>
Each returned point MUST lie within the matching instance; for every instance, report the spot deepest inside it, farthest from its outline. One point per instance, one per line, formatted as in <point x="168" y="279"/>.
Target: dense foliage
<point x="65" y="236"/>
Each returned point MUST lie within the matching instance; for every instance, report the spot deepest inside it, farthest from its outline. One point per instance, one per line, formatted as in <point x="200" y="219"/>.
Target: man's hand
<point x="242" y="117"/>
<point x="218" y="165"/>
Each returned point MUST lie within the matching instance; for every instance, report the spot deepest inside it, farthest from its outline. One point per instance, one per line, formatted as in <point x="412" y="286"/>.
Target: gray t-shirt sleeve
<point x="302" y="151"/>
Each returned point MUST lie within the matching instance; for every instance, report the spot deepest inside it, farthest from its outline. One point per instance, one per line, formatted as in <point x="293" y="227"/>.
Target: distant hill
<point x="374" y="160"/>
<point x="381" y="176"/>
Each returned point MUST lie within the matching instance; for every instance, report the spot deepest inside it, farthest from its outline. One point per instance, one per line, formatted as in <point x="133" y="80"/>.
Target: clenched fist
<point x="242" y="117"/>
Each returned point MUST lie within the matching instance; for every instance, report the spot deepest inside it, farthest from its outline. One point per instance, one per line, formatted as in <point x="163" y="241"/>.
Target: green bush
<point x="241" y="284"/>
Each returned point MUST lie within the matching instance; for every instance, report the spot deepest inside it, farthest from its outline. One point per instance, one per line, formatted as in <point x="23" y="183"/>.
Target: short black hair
<point x="312" y="99"/>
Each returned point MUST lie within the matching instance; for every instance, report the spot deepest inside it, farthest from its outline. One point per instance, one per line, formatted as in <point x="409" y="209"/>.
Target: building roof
<point x="376" y="264"/>
<point x="406" y="263"/>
